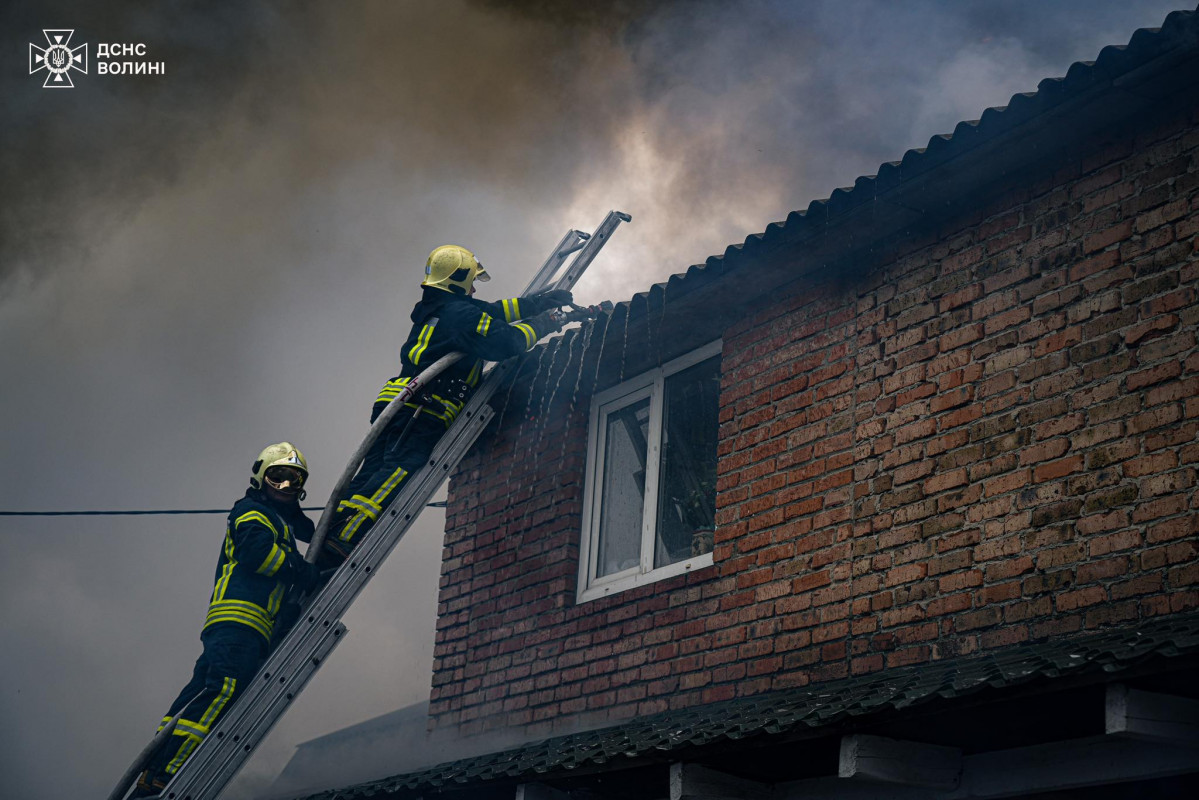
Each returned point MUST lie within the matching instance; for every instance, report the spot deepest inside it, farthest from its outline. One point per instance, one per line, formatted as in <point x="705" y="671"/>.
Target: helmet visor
<point x="285" y="479"/>
<point x="481" y="274"/>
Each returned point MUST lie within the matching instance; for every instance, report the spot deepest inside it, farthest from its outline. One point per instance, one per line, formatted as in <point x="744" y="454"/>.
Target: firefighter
<point x="447" y="319"/>
<point x="258" y="566"/>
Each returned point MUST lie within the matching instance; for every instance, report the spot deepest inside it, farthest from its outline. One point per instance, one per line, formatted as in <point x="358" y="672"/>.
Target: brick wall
<point x="987" y="437"/>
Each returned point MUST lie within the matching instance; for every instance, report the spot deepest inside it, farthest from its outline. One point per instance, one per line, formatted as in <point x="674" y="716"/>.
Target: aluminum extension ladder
<point x="302" y="651"/>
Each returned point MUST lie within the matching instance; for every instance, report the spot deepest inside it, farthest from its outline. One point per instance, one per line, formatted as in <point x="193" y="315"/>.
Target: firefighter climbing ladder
<point x="319" y="630"/>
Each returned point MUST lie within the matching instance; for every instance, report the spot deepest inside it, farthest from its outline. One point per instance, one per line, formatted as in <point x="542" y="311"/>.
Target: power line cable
<point x="126" y="513"/>
<point x="434" y="504"/>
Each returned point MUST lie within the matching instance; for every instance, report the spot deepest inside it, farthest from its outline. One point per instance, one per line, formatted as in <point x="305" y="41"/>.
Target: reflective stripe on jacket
<point x="444" y="323"/>
<point x="258" y="560"/>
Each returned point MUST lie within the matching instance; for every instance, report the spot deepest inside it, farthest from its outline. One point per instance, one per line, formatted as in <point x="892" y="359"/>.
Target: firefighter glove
<point x="547" y="322"/>
<point x="554" y="298"/>
<point x="308" y="576"/>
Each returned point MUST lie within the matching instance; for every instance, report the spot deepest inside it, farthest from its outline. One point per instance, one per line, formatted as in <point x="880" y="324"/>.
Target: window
<point x="649" y="508"/>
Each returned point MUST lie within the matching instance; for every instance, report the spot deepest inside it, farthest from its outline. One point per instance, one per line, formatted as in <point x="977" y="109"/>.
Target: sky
<point x="198" y="263"/>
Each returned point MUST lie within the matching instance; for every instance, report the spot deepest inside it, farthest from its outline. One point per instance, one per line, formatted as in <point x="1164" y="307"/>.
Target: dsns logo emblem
<point x="58" y="59"/>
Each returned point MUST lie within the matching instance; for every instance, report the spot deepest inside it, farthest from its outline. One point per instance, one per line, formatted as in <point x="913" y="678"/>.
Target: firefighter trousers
<point x="398" y="452"/>
<point x="232" y="656"/>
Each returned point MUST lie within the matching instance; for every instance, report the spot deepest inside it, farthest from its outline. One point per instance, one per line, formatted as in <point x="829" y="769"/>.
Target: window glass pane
<point x="623" y="497"/>
<point x="687" y="477"/>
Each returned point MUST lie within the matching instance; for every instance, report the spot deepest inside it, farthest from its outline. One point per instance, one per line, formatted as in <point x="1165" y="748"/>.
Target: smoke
<point x="562" y="105"/>
<point x="77" y="162"/>
<point x="467" y="93"/>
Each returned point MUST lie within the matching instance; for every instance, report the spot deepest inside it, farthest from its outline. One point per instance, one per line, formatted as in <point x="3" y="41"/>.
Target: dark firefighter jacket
<point x="444" y="323"/>
<point x="258" y="562"/>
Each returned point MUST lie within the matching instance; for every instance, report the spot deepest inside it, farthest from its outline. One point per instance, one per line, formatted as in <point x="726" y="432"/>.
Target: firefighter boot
<point x="148" y="786"/>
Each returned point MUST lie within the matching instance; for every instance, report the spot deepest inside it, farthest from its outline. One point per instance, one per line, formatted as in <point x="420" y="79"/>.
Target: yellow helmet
<point x="283" y="454"/>
<point x="453" y="269"/>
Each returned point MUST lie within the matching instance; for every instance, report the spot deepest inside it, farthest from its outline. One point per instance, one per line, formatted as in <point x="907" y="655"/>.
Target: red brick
<point x="1143" y="584"/>
<point x="1044" y="451"/>
<point x="1161" y="507"/>
<point x="1124" y="540"/>
<point x="1069" y="601"/>
<point x="945" y="480"/>
<point x="961" y="416"/>
<point x="1152" y="327"/>
<point x="1113" y="520"/>
<point x="1004" y="637"/>
<point x="906" y="574"/>
<point x="1148" y="377"/>
<point x="1057" y="469"/>
<point x="1168" y="483"/>
<point x="1006" y="483"/>
<point x="1173" y="529"/>
<point x="999" y="592"/>
<point x="1106" y="238"/>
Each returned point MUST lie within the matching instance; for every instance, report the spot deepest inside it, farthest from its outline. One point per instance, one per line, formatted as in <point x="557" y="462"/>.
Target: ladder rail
<point x="571" y="242"/>
<point x="591" y="249"/>
<point x="303" y="649"/>
<point x="403" y="511"/>
<point x="248" y="725"/>
<point x="251" y="717"/>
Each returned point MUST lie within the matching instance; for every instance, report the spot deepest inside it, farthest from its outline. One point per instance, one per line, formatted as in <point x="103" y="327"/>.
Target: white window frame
<point x="649" y="384"/>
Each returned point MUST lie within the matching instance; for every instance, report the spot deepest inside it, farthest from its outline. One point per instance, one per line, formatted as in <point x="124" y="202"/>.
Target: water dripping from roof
<point x="582" y="339"/>
<point x="662" y="316"/>
<point x="547" y="397"/>
<point x="546" y="409"/>
<point x="586" y="334"/>
<point x="624" y="346"/>
<point x="539" y="416"/>
<point x="513" y="382"/>
<point x="649" y="333"/>
<point x="532" y="442"/>
<point x="599" y="357"/>
<point x="499" y="423"/>
<point x="588" y="331"/>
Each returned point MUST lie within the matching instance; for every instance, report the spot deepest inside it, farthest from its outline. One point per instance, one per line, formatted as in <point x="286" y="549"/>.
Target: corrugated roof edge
<point x="789" y="710"/>
<point x="1179" y="30"/>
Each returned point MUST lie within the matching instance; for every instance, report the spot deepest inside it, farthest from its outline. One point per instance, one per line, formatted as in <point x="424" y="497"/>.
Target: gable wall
<point x="979" y="439"/>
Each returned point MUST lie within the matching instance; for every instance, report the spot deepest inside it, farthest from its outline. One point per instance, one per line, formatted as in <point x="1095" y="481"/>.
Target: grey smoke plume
<point x="548" y="96"/>
<point x="195" y="265"/>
